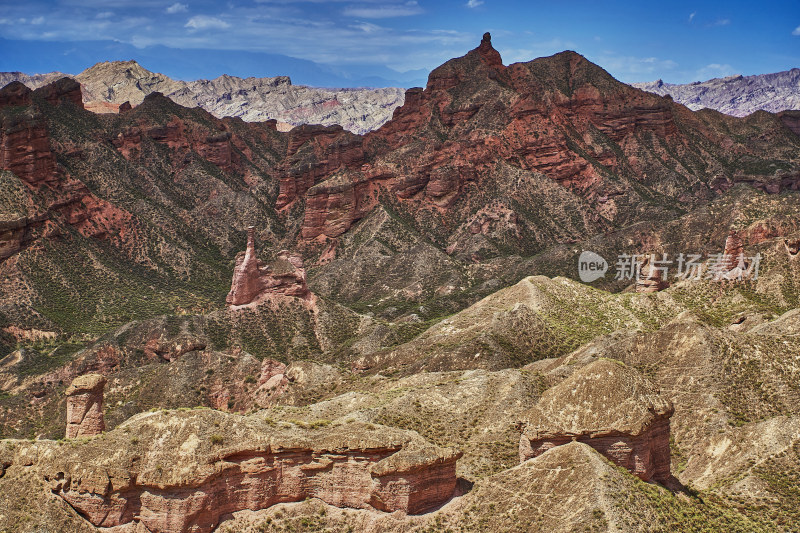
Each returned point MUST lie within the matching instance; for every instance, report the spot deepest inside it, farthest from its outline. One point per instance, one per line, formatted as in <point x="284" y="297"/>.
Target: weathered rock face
<point x="65" y="90"/>
<point x="25" y="149"/>
<point x="209" y="464"/>
<point x="254" y="281"/>
<point x="732" y="265"/>
<point x="651" y="279"/>
<point x="85" y="406"/>
<point x="560" y="116"/>
<point x="15" y="94"/>
<point x="610" y="407"/>
<point x="792" y="120"/>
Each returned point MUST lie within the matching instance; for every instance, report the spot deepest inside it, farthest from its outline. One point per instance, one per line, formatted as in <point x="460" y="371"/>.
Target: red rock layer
<point x="258" y="479"/>
<point x="646" y="455"/>
<point x="216" y="148"/>
<point x="25" y="149"/>
<point x="85" y="406"/>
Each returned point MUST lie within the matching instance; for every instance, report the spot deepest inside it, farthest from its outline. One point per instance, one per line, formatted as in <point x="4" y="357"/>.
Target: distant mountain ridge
<point x="108" y="84"/>
<point x="735" y="95"/>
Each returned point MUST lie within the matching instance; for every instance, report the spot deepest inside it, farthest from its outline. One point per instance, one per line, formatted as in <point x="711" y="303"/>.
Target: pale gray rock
<point x="735" y="95"/>
<point x="108" y="84"/>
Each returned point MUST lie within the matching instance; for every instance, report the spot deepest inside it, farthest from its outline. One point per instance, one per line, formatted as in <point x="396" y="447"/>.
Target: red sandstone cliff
<point x="208" y="464"/>
<point x="560" y="116"/>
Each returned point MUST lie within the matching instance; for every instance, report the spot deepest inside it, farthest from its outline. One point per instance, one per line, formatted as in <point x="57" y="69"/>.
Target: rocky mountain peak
<point x="488" y="53"/>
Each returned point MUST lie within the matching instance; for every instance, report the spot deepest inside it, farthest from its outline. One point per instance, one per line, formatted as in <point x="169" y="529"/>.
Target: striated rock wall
<point x="646" y="455"/>
<point x="85" y="406"/>
<point x="209" y="464"/>
<point x="25" y="149"/>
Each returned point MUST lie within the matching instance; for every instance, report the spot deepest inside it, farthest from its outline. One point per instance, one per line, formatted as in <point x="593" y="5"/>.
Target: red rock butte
<point x="610" y="407"/>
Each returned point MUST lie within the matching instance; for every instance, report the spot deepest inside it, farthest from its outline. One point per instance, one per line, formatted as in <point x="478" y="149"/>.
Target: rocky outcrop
<point x="610" y="407"/>
<point x="792" y="245"/>
<point x="16" y="235"/>
<point x="208" y="464"/>
<point x="735" y="95"/>
<point x="15" y="94"/>
<point x="254" y="281"/>
<point x="65" y="90"/>
<point x="731" y="265"/>
<point x="560" y="116"/>
<point x="85" y="406"/>
<point x="25" y="148"/>
<point x="651" y="278"/>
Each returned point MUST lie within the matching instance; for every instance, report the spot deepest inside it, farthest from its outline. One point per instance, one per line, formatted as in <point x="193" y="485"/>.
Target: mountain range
<point x="735" y="95"/>
<point x="251" y="329"/>
<point x="107" y="85"/>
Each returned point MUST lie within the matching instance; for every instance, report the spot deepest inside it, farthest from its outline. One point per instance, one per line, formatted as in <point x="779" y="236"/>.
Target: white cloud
<point x="177" y="7"/>
<point x="37" y="21"/>
<point x="632" y="68"/>
<point x="474" y="3"/>
<point x="796" y="31"/>
<point x="384" y="11"/>
<point x="692" y="15"/>
<point x="721" y="22"/>
<point x="203" y="22"/>
<point x="715" y="70"/>
<point x="104" y="15"/>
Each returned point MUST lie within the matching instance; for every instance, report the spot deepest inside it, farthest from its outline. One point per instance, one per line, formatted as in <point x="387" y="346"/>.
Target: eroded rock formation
<point x="208" y="464"/>
<point x="792" y="245"/>
<point x="85" y="406"/>
<point x="732" y="265"/>
<point x="610" y="407"/>
<point x="254" y="281"/>
<point x="651" y="277"/>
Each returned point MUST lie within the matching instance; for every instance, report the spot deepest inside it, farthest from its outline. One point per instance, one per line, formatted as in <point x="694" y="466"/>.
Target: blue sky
<point x="376" y="41"/>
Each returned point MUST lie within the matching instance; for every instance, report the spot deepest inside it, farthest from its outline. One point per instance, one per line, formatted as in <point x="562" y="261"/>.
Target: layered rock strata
<point x="610" y="407"/>
<point x="85" y="406"/>
<point x="208" y="464"/>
